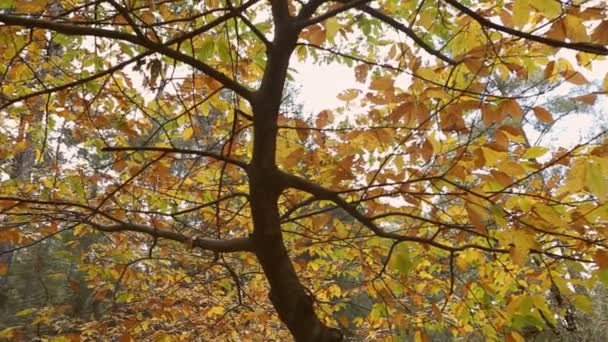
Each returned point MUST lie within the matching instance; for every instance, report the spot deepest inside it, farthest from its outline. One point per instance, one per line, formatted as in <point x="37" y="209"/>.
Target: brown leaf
<point x="601" y="259"/>
<point x="600" y="34"/>
<point x="361" y="72"/>
<point x="512" y="108"/>
<point x="574" y="77"/>
<point x="382" y="83"/>
<point x="427" y="150"/>
<point x="557" y="30"/>
<point x="543" y="115"/>
<point x="588" y="99"/>
<point x="324" y="118"/>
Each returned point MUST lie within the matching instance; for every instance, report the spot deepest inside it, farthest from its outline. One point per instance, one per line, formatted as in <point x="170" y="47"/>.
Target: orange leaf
<point x="588" y="99"/>
<point x="549" y="72"/>
<point x="382" y="83"/>
<point x="489" y="116"/>
<point x="476" y="219"/>
<point x="543" y="115"/>
<point x="502" y="178"/>
<point x="361" y="72"/>
<point x="324" y="118"/>
<point x="512" y="108"/>
<point x="574" y="77"/>
<point x="314" y="34"/>
<point x="601" y="258"/>
<point x="600" y="34"/>
<point x="349" y="94"/>
<point x="557" y="30"/>
<point x="427" y="150"/>
<point x="514" y="337"/>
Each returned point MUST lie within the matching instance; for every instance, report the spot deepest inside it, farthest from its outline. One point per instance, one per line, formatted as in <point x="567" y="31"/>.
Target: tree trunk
<point x="289" y="297"/>
<point x="287" y="294"/>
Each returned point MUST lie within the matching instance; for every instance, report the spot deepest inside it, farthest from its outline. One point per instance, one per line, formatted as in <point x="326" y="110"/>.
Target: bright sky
<point x="320" y="84"/>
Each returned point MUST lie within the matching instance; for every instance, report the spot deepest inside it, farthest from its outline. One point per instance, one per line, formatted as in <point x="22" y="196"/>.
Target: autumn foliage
<point x="156" y="140"/>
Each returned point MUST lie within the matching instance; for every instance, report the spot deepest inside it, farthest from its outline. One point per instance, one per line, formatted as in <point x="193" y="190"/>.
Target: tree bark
<point x="287" y="294"/>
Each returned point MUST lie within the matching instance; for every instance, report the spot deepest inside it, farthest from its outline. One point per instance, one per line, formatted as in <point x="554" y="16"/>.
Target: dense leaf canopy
<point x="167" y="136"/>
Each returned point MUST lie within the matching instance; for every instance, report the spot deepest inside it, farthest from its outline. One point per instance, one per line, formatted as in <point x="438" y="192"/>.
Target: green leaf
<point x="206" y="50"/>
<point x="331" y="28"/>
<point x="583" y="303"/>
<point x="401" y="259"/>
<point x="6" y="4"/>
<point x="26" y="312"/>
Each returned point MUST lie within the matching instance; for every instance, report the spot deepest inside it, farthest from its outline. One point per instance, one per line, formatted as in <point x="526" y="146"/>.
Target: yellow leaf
<point x="521" y="12"/>
<point x="420" y="336"/>
<point x="575" y="29"/>
<point x="26" y="312"/>
<point x="511" y="168"/>
<point x="514" y="306"/>
<point x="20" y="146"/>
<point x="216" y="311"/>
<point x="543" y="115"/>
<point x="535" y="152"/>
<point x="550" y="9"/>
<point x="585" y="60"/>
<point x="521" y="244"/>
<point x="492" y="157"/>
<point x="549" y="214"/>
<point x="31" y="6"/>
<point x="331" y="27"/>
<point x="188" y="132"/>
<point x="596" y="177"/>
<point x="382" y="83"/>
<point x="576" y="176"/>
<point x="349" y="94"/>
<point x="605" y="83"/>
<point x="8" y="333"/>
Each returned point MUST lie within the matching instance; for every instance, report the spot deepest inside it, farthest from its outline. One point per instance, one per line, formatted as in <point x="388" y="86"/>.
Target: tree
<point x="419" y="207"/>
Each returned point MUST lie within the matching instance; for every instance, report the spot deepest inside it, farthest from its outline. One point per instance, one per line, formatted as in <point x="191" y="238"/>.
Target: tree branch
<point x="216" y="156"/>
<point x="330" y="13"/>
<point x="408" y="31"/>
<point x="75" y="83"/>
<point x="243" y="244"/>
<point x="215" y="245"/>
<point x="71" y="29"/>
<point x="579" y="46"/>
<point x="309" y="9"/>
